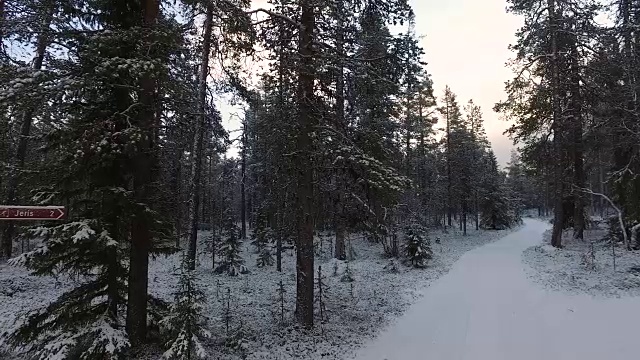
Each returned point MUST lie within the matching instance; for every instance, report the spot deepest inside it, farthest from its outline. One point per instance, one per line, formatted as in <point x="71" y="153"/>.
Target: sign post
<point x="17" y="213"/>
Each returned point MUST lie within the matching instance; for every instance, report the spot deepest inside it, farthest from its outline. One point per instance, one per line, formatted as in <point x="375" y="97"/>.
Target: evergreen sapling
<point x="185" y="325"/>
<point x="230" y="260"/>
<point x="262" y="239"/>
<point x="347" y="276"/>
<point x="417" y="246"/>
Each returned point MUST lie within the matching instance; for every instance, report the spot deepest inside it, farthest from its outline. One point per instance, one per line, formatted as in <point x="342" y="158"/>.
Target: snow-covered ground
<point x="356" y="311"/>
<point x="585" y="266"/>
<point x="486" y="308"/>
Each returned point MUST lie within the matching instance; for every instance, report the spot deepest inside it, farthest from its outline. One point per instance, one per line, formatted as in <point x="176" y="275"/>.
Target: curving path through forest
<point x="486" y="308"/>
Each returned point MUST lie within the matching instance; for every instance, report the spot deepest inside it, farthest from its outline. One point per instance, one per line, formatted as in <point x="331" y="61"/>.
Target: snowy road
<point x="486" y="308"/>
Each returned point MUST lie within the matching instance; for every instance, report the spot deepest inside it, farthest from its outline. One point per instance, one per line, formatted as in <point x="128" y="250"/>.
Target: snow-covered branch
<point x="617" y="209"/>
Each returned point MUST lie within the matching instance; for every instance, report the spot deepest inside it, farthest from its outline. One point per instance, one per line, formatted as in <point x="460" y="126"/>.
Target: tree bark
<point x="464" y="217"/>
<point x="280" y="222"/>
<point x="243" y="201"/>
<point x="408" y="134"/>
<point x="177" y="198"/>
<point x="25" y="130"/>
<point x="136" y="323"/>
<point x="558" y="221"/>
<point x="304" y="165"/>
<point x="448" y="154"/>
<point x="340" y="228"/>
<point x="196" y="163"/>
<point x="579" y="221"/>
<point x="280" y="217"/>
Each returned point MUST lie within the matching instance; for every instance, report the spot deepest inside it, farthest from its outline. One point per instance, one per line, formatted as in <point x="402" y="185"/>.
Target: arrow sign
<point x="13" y="212"/>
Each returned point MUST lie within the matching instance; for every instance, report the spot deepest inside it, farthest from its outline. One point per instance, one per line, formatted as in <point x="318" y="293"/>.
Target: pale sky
<point x="466" y="45"/>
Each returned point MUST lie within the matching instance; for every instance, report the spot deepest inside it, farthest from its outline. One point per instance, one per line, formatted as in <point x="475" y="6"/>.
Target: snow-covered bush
<point x="260" y="235"/>
<point x="417" y="246"/>
<point x="184" y="327"/>
<point x="347" y="276"/>
<point x="262" y="240"/>
<point x="265" y="257"/>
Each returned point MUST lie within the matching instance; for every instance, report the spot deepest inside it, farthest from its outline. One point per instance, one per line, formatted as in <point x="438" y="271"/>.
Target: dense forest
<point x="111" y="109"/>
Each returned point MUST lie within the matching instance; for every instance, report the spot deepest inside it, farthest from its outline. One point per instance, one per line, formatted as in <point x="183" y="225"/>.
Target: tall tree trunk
<point x="340" y="228"/>
<point x="579" y="221"/>
<point x="422" y="178"/>
<point x="464" y="217"/>
<point x="474" y="130"/>
<point x="407" y="138"/>
<point x="177" y="198"/>
<point x="196" y="162"/>
<point x="304" y="165"/>
<point x="243" y="200"/>
<point x="212" y="213"/>
<point x="142" y="181"/>
<point x="601" y="172"/>
<point x="448" y="154"/>
<point x="476" y="210"/>
<point x="280" y="234"/>
<point x="112" y="268"/>
<point x="280" y="217"/>
<point x="25" y="130"/>
<point x="558" y="221"/>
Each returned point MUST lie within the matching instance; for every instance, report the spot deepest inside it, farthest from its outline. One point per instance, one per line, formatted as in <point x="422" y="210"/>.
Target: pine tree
<point x="84" y="321"/>
<point x="231" y="262"/>
<point x="262" y="241"/>
<point x="497" y="211"/>
<point x="265" y="257"/>
<point x="99" y="145"/>
<point x="557" y="104"/>
<point x="417" y="245"/>
<point x="185" y="326"/>
<point x="453" y="121"/>
<point x="260" y="233"/>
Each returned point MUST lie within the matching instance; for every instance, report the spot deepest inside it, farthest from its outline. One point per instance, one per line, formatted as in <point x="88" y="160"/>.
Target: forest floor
<point x="585" y="266"/>
<point x="487" y="307"/>
<point x="257" y="328"/>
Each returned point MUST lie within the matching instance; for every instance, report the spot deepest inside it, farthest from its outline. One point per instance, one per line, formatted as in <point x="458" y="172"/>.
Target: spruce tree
<point x="98" y="148"/>
<point x="417" y="245"/>
<point x="551" y="114"/>
<point x="231" y="261"/>
<point x="185" y="326"/>
<point x="498" y="212"/>
<point x="85" y="321"/>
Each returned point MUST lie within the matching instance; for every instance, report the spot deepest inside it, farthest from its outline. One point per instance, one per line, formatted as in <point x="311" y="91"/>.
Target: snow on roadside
<point x="576" y="269"/>
<point x="355" y="311"/>
<point x="21" y="293"/>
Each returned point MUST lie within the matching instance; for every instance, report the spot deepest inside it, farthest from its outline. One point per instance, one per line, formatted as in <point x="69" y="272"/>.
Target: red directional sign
<point x="11" y="212"/>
